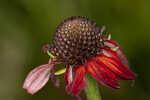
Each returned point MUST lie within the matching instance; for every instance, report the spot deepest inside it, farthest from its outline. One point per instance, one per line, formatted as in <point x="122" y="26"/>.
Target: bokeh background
<point x="26" y="25"/>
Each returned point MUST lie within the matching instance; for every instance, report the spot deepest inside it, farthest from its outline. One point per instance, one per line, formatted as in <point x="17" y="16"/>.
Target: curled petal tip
<point x="112" y="44"/>
<point x="102" y="29"/>
<point x="45" y="48"/>
<point x="78" y="97"/>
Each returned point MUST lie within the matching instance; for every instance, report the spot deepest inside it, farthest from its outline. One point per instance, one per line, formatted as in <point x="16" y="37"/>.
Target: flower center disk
<point x="76" y="40"/>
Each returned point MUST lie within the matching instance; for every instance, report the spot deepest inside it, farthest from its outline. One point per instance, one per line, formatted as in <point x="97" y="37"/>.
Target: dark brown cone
<point x="76" y="40"/>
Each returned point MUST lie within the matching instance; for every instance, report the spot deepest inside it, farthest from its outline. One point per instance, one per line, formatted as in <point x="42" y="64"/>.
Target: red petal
<point x="117" y="67"/>
<point x="79" y="81"/>
<point x="37" y="78"/>
<point x="68" y="78"/>
<point x="100" y="72"/>
<point x="113" y="44"/>
<point x="110" y="53"/>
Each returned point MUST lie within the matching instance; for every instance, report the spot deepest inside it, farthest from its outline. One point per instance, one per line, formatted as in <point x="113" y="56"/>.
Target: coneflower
<point x="84" y="49"/>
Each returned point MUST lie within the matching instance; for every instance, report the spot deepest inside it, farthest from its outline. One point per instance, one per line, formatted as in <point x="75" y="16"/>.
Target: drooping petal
<point x="113" y="44"/>
<point x="100" y="72"/>
<point x="55" y="80"/>
<point x="37" y="78"/>
<point x="116" y="66"/>
<point x="68" y="78"/>
<point x="78" y="82"/>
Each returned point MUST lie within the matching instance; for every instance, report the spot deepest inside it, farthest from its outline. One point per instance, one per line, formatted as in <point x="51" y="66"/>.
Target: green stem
<point x="92" y="90"/>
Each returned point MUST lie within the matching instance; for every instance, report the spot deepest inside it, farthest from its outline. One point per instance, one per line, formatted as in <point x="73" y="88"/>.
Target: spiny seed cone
<point x="76" y="40"/>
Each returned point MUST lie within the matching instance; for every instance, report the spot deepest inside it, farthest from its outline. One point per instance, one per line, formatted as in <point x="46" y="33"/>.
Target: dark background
<point x="26" y="25"/>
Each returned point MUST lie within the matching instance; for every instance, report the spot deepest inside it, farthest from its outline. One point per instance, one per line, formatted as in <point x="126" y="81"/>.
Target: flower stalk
<point x="92" y="90"/>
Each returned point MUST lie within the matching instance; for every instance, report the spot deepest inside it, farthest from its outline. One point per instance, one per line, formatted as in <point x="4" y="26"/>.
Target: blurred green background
<point x="26" y="25"/>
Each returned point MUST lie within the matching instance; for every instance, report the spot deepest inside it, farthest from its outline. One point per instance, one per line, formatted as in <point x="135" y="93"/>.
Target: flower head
<point x="81" y="46"/>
